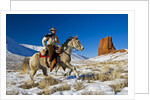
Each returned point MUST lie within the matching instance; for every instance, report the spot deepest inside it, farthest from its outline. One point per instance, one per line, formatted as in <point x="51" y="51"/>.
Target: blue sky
<point x="90" y="28"/>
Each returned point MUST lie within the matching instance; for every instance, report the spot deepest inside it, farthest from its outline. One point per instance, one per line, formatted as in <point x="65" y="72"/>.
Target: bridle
<point x="78" y="44"/>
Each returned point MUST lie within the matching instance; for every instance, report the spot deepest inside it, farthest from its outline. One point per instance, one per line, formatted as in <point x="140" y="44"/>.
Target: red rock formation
<point x="121" y="50"/>
<point x="105" y="46"/>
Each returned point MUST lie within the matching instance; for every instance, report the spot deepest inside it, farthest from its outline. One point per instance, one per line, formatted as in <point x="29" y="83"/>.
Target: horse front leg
<point x="56" y="69"/>
<point x="72" y="68"/>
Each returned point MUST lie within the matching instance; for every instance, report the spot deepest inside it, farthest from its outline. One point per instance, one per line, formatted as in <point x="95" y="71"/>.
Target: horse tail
<point x="25" y="64"/>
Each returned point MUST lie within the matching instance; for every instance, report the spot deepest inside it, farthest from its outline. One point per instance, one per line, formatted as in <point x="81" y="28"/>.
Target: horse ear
<point x="76" y="36"/>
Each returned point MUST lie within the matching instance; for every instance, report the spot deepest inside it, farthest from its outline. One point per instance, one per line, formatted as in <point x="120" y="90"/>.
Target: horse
<point x="35" y="62"/>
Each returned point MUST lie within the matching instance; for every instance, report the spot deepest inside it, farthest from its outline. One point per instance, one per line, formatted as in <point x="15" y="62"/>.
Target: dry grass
<point x="110" y="74"/>
<point x="48" y="81"/>
<point x="47" y="91"/>
<point x="124" y="76"/>
<point x="13" y="83"/>
<point x="79" y="86"/>
<point x="124" y="62"/>
<point x="93" y="93"/>
<point x="96" y="69"/>
<point x="118" y="86"/>
<point x="64" y="87"/>
<point x="28" y="85"/>
<point x="13" y="66"/>
<point x="20" y="76"/>
<point x="39" y="75"/>
<point x="13" y="92"/>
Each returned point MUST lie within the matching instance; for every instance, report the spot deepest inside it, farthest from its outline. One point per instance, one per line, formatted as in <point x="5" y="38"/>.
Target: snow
<point x="124" y="91"/>
<point x="86" y="68"/>
<point x="76" y="57"/>
<point x="111" y="57"/>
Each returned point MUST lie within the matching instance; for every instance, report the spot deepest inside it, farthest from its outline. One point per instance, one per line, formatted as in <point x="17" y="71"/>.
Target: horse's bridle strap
<point x="66" y="53"/>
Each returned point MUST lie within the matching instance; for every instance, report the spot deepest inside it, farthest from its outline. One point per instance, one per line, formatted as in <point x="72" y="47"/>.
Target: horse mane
<point x="66" y="42"/>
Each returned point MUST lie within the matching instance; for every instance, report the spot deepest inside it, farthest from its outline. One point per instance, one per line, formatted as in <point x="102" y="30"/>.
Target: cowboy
<point x="51" y="39"/>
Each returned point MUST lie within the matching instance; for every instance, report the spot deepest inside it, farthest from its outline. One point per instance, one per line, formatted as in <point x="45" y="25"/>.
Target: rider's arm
<point x="56" y="39"/>
<point x="43" y="41"/>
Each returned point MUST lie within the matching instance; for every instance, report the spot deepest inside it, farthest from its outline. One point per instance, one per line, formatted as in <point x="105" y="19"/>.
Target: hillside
<point x="15" y="48"/>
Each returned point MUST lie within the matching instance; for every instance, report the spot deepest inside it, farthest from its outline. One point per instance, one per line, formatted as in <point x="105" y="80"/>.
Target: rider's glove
<point x="45" y="47"/>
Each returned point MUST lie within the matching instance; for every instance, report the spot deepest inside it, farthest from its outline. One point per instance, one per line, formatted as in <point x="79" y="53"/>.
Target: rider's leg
<point x="50" y="52"/>
<point x="53" y="64"/>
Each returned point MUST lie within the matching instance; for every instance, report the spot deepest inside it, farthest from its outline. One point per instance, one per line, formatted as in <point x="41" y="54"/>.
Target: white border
<point x="130" y="57"/>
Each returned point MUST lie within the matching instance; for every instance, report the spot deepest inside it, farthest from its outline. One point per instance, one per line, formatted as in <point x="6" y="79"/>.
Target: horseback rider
<point x="51" y="39"/>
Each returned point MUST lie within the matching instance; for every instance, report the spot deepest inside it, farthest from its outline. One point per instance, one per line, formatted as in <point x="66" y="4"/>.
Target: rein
<point x="66" y="53"/>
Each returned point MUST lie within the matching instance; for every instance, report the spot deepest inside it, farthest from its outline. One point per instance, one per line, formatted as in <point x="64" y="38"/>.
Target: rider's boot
<point x="52" y="65"/>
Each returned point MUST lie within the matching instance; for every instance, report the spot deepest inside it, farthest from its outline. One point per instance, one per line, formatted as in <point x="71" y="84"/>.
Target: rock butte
<point x="106" y="46"/>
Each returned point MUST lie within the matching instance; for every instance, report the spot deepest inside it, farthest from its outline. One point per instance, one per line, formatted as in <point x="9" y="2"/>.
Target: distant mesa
<point x="106" y="46"/>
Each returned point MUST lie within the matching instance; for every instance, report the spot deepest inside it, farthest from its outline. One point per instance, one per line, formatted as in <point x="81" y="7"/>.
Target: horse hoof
<point x="65" y="74"/>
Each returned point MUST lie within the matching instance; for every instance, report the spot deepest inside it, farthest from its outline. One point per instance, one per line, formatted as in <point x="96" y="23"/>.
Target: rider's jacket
<point x="50" y="38"/>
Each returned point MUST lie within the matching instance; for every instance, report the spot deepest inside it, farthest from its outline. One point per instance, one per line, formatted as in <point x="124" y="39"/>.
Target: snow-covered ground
<point x="101" y="75"/>
<point x="111" y="57"/>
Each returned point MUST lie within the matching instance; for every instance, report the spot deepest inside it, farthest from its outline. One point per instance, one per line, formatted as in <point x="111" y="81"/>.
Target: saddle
<point x="53" y="63"/>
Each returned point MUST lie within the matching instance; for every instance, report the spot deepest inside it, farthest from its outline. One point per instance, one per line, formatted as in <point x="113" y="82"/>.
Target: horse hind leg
<point x="44" y="70"/>
<point x="32" y="75"/>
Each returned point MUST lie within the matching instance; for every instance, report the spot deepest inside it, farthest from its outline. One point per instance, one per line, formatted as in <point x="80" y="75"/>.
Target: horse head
<point x="76" y="43"/>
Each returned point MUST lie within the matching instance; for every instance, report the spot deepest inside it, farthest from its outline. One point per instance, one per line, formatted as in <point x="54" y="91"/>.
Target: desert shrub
<point x="29" y="85"/>
<point x="13" y="92"/>
<point x="48" y="81"/>
<point x="13" y="83"/>
<point x="63" y="87"/>
<point x="79" y="86"/>
<point x="118" y="86"/>
<point x="47" y="91"/>
<point x="93" y="93"/>
<point x="110" y="74"/>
